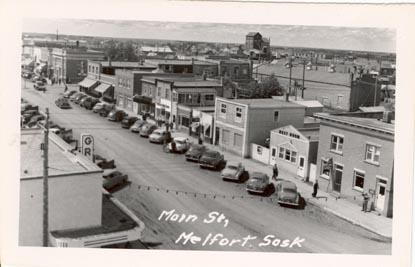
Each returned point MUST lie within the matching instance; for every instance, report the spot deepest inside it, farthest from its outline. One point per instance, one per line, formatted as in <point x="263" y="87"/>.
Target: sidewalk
<point x="342" y="208"/>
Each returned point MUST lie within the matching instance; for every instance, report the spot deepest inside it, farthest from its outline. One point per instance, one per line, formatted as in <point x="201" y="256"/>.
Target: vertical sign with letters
<point x="87" y="145"/>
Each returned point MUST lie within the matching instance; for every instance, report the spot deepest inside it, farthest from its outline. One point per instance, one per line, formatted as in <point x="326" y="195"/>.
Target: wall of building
<point x="298" y="145"/>
<point x="261" y="121"/>
<point x="75" y="201"/>
<point x="210" y="70"/>
<point x="353" y="157"/>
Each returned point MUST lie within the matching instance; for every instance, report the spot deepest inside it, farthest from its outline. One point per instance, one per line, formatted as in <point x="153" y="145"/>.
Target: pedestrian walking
<point x="66" y="88"/>
<point x="315" y="189"/>
<point x="275" y="172"/>
<point x="365" y="202"/>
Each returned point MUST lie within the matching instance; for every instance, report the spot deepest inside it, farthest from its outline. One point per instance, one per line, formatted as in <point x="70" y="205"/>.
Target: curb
<point x="347" y="219"/>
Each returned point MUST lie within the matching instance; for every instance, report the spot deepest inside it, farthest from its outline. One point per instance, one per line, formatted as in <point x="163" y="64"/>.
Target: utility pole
<point x="45" y="183"/>
<point x="289" y="84"/>
<point x="376" y="88"/>
<point x="302" y="88"/>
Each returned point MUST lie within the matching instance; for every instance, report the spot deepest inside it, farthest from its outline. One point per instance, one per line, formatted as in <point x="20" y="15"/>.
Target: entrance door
<point x="380" y="194"/>
<point x="337" y="178"/>
<point x="273" y="158"/>
<point x="217" y="133"/>
<point x="301" y="168"/>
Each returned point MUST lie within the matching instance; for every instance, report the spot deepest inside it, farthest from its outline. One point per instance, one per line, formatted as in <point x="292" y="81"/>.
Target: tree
<point x="119" y="51"/>
<point x="267" y="88"/>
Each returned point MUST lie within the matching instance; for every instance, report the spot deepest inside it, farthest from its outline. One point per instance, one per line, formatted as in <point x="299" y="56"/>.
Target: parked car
<point x="128" y="121"/>
<point x="233" y="171"/>
<point x="135" y="128"/>
<point x="60" y="100"/>
<point x="195" y="152"/>
<point x="117" y="115"/>
<point x="35" y="119"/>
<point x="68" y="94"/>
<point x="26" y="75"/>
<point x="147" y="129"/>
<point x="102" y="105"/>
<point x="39" y="85"/>
<point x="211" y="159"/>
<point x="25" y="107"/>
<point x="160" y="136"/>
<point x="258" y="183"/>
<point x="78" y="99"/>
<point x="103" y="163"/>
<point x="27" y="115"/>
<point x="74" y="96"/>
<point x="287" y="194"/>
<point x="82" y="101"/>
<point x="113" y="178"/>
<point x="90" y="102"/>
<point x="182" y="144"/>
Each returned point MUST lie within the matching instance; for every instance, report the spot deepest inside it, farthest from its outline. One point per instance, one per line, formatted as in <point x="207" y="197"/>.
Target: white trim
<point x="378" y="177"/>
<point x="358" y="170"/>
<point x="230" y="126"/>
<point x="334" y="133"/>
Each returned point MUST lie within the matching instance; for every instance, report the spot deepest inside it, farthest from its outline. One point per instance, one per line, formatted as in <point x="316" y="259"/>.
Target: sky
<point x="346" y="38"/>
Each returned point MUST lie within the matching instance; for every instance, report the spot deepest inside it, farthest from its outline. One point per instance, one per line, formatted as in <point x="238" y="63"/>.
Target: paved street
<point x="147" y="165"/>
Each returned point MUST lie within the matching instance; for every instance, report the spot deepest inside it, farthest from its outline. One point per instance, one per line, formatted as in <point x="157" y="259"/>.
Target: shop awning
<point x="142" y="99"/>
<point x="103" y="87"/>
<point x="88" y="83"/>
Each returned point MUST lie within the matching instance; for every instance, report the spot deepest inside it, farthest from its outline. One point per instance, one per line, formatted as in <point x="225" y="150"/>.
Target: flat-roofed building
<point x="78" y="211"/>
<point x="240" y="122"/>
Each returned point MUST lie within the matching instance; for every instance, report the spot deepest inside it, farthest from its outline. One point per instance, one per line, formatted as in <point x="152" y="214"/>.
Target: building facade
<point x="294" y="149"/>
<point x="355" y="155"/>
<point x="240" y="122"/>
<point x="70" y="65"/>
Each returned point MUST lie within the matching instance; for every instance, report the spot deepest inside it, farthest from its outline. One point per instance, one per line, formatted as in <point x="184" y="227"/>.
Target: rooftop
<point x="300" y="101"/>
<point x="61" y="160"/>
<point x="265" y="103"/>
<point x="113" y="220"/>
<point x="126" y="64"/>
<point x="252" y="33"/>
<point x="157" y="49"/>
<point x="185" y="81"/>
<point x="178" y="62"/>
<point x="367" y="123"/>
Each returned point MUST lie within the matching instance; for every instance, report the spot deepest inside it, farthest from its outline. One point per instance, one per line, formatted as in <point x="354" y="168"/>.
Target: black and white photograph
<point x="207" y="136"/>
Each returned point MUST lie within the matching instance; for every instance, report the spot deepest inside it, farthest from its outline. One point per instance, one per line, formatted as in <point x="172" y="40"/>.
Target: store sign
<point x="87" y="146"/>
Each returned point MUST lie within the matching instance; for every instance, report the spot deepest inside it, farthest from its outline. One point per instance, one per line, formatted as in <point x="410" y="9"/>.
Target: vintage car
<point x="62" y="103"/>
<point x="35" y="119"/>
<point x="135" y="128"/>
<point x="287" y="194"/>
<point x="74" y="96"/>
<point x="90" y="102"/>
<point x="159" y="136"/>
<point x="116" y="115"/>
<point x="195" y="152"/>
<point x="68" y="94"/>
<point x="211" y="159"/>
<point x="182" y="145"/>
<point x="147" y="129"/>
<point x="40" y="86"/>
<point x="233" y="171"/>
<point x="113" y="178"/>
<point x="258" y="183"/>
<point x="128" y="121"/>
<point x="78" y="99"/>
<point x="103" y="163"/>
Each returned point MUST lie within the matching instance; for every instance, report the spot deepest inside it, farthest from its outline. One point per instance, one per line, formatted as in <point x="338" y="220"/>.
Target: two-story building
<point x="355" y="155"/>
<point x="80" y="213"/>
<point x="240" y="122"/>
<point x="177" y="97"/>
<point x="70" y="65"/>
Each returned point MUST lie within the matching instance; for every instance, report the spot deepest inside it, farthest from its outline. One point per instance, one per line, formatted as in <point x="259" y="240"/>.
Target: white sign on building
<point x="87" y="145"/>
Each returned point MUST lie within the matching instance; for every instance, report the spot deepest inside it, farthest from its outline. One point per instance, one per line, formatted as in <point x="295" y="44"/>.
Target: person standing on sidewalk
<point x="275" y="172"/>
<point x="365" y="201"/>
<point x="315" y="189"/>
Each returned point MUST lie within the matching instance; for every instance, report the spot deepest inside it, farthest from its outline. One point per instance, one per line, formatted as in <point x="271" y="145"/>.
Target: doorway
<point x="301" y="166"/>
<point x="380" y="194"/>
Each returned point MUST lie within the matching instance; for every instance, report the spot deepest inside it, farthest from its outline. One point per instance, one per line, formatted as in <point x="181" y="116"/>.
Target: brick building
<point x="361" y="152"/>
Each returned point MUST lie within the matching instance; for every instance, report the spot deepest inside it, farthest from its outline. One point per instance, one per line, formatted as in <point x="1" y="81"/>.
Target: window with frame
<point x="238" y="114"/>
<point x="287" y="154"/>
<point x="336" y="143"/>
<point x="158" y="91"/>
<point x="223" y="110"/>
<point x="209" y="97"/>
<point x="372" y="153"/>
<point x="324" y="169"/>
<point x="237" y="140"/>
<point x="181" y="98"/>
<point x="358" y="180"/>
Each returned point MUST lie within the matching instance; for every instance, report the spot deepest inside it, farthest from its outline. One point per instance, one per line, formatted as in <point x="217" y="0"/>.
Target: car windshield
<point x="180" y="141"/>
<point x="289" y="190"/>
<point x="156" y="133"/>
<point x="232" y="167"/>
<point x="256" y="180"/>
<point x="211" y="154"/>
